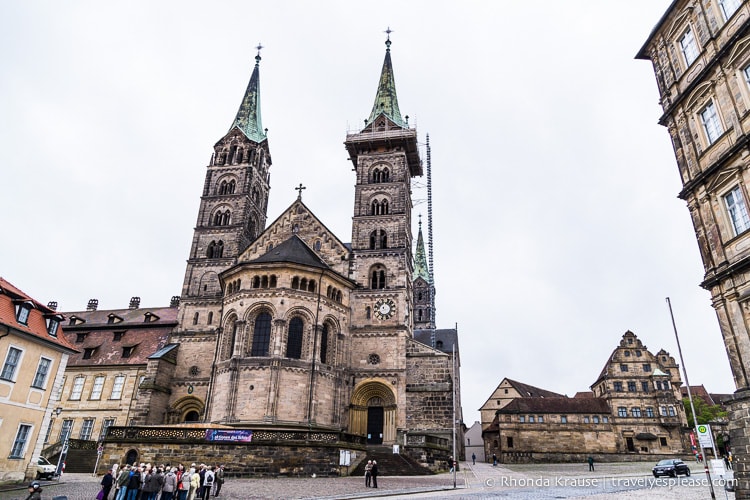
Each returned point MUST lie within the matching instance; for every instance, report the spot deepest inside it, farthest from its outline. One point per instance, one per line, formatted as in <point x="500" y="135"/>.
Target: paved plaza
<point x="481" y="481"/>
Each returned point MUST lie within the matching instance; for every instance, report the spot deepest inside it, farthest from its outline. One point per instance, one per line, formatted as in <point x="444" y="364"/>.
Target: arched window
<point x="264" y="282"/>
<point x="273" y="281"/>
<point x="303" y="284"/>
<point x="217" y="219"/>
<point x="385" y="176"/>
<point x="195" y="319"/>
<point x="211" y="250"/>
<point x="210" y="317"/>
<point x="256" y="282"/>
<point x="367" y="312"/>
<point x="420" y="315"/>
<point x="311" y="286"/>
<point x="223" y="187"/>
<point x="219" y="250"/>
<point x="373" y="239"/>
<point x="324" y="344"/>
<point x="374" y="208"/>
<point x="255" y="195"/>
<point x="294" y="339"/>
<point x="261" y="335"/>
<point x="225" y="219"/>
<point x="317" y="246"/>
<point x="383" y="239"/>
<point x="377" y="278"/>
<point x="295" y="283"/>
<point x="232" y="184"/>
<point x="383" y="207"/>
<point x="338" y="296"/>
<point x="376" y="175"/>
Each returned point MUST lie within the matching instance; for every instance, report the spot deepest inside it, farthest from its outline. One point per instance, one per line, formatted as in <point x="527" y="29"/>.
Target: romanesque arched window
<point x="223" y="187"/>
<point x="264" y="282"/>
<point x="377" y="278"/>
<point x="219" y="250"/>
<point x="261" y="335"/>
<point x="256" y="282"/>
<point x="373" y="239"/>
<point x="374" y="208"/>
<point x="294" y="338"/>
<point x="211" y="250"/>
<point x="195" y="318"/>
<point x="385" y="175"/>
<point x="324" y="344"/>
<point x="295" y="283"/>
<point x="272" y="283"/>
<point x="384" y="207"/>
<point x="376" y="175"/>
<point x="232" y="185"/>
<point x="311" y="286"/>
<point x="210" y="317"/>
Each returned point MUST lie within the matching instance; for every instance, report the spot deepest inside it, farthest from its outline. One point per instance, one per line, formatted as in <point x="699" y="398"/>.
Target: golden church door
<point x="375" y="425"/>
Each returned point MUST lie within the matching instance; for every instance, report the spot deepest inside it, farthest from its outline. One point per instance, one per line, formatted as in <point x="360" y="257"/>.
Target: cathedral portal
<point x="372" y="411"/>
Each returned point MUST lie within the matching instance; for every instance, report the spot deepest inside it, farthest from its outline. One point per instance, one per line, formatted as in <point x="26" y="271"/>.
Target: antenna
<point x="429" y="242"/>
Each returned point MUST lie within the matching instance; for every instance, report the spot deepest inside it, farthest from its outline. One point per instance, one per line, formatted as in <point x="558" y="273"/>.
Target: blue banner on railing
<point x="229" y="435"/>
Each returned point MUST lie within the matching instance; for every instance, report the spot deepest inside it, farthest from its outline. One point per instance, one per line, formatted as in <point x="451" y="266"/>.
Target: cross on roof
<point x="299" y="188"/>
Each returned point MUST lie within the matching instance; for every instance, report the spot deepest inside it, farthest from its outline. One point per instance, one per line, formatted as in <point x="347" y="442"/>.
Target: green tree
<point x="706" y="413"/>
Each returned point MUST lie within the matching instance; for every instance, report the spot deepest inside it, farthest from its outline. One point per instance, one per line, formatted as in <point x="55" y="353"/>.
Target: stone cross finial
<point x="300" y="188"/>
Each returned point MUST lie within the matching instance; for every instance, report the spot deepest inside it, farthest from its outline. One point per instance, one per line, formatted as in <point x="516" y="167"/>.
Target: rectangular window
<point x="711" y="123"/>
<point x="644" y="386"/>
<point x="658" y="385"/>
<point x="631" y="386"/>
<point x="75" y="393"/>
<point x="52" y="325"/>
<point x="649" y="411"/>
<point x="117" y="387"/>
<point x="66" y="428"/>
<point x="40" y="378"/>
<point x="22" y="314"/>
<point x="12" y="360"/>
<point x="622" y="411"/>
<point x="563" y="419"/>
<point x="88" y="352"/>
<point x="663" y="441"/>
<point x="509" y="441"/>
<point x="596" y="419"/>
<point x="531" y="419"/>
<point x="729" y="7"/>
<point x="688" y="47"/>
<point x="623" y="368"/>
<point x="663" y="410"/>
<point x="586" y="419"/>
<point x="618" y="386"/>
<point x="671" y="411"/>
<point x="521" y="418"/>
<point x="127" y="351"/>
<point x="636" y="412"/>
<point x="86" y="428"/>
<point x="96" y="391"/>
<point x="605" y="420"/>
<point x="737" y="209"/>
<point x="19" y="444"/>
<point x="646" y="367"/>
<point x="541" y="419"/>
<point x="80" y="337"/>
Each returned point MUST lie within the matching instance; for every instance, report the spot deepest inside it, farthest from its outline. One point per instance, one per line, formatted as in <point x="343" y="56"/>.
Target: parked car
<point x="672" y="467"/>
<point x="44" y="469"/>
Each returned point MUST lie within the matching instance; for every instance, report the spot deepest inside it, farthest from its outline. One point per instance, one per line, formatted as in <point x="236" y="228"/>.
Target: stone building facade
<point x="700" y="51"/>
<point x="633" y="409"/>
<point x="285" y="327"/>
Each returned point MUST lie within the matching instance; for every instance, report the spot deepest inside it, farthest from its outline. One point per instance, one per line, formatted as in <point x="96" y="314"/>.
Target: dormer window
<point x="80" y="337"/>
<point x="118" y="336"/>
<point x="128" y="351"/>
<point x="23" y="309"/>
<point x="149" y="317"/>
<point x="88" y="352"/>
<point x="75" y="320"/>
<point x="53" y="324"/>
<point x="113" y="318"/>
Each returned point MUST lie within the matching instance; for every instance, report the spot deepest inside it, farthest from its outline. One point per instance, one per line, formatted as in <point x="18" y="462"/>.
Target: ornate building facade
<point x="285" y="327"/>
<point x="700" y="51"/>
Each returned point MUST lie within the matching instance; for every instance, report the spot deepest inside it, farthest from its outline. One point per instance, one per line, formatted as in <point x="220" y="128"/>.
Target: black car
<point x="672" y="467"/>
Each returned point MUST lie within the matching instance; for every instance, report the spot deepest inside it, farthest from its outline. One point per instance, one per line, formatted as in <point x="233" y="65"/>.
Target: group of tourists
<point x="371" y="474"/>
<point x="163" y="482"/>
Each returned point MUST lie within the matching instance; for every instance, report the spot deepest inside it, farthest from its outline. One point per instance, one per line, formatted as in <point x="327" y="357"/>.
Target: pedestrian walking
<point x="494" y="460"/>
<point x="208" y="482"/>
<point x="473" y="459"/>
<point x="368" y="473"/>
<point x="35" y="491"/>
<point x="374" y="474"/>
<point x="591" y="462"/>
<point x="106" y="483"/>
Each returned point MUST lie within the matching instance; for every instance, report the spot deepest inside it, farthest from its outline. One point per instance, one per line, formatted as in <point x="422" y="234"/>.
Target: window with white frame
<point x="117" y="387"/>
<point x="96" y="391"/>
<point x="108" y="422"/>
<point x="729" y="7"/>
<point x="711" y="123"/>
<point x="75" y="392"/>
<point x="19" y="444"/>
<point x="737" y="210"/>
<point x="688" y="47"/>
<point x="12" y="360"/>
<point x="66" y="428"/>
<point x="86" y="428"/>
<point x="42" y="370"/>
<point x="49" y="430"/>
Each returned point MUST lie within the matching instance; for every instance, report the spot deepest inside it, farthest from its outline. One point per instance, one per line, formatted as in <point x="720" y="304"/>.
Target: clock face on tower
<point x="385" y="308"/>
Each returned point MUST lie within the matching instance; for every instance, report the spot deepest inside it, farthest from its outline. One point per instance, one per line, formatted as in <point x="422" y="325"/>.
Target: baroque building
<point x="700" y="51"/>
<point x="286" y="331"/>
<point x="633" y="409"/>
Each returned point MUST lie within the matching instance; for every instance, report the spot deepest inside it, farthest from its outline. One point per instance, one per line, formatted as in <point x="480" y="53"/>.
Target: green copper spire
<point x="248" y="116"/>
<point x="386" y="101"/>
<point x="420" y="261"/>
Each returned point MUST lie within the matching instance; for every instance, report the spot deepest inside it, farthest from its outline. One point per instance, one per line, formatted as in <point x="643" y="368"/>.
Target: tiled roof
<point x="529" y="391"/>
<point x="37" y="322"/>
<point x="584" y="394"/>
<point x="130" y="330"/>
<point x="699" y="391"/>
<point x="292" y="250"/>
<point x="556" y="405"/>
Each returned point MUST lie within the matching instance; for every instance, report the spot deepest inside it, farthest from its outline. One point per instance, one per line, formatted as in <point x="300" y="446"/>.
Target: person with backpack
<point x="219" y="479"/>
<point x="208" y="482"/>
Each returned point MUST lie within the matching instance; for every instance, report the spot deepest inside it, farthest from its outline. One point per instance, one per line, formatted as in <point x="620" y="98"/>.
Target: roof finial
<point x="300" y="188"/>
<point x="257" y="57"/>
<point x="388" y="32"/>
<point x="420" y="222"/>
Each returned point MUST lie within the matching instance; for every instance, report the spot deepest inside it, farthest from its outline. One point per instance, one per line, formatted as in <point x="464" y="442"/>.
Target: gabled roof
<point x="529" y="391"/>
<point x="556" y="405"/>
<point x="292" y="250"/>
<point x="36" y="324"/>
<point x="699" y="391"/>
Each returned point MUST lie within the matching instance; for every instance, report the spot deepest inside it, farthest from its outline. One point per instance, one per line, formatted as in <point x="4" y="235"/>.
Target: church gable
<point x="299" y="221"/>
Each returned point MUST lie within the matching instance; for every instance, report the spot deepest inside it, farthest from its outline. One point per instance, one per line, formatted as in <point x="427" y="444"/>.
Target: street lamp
<point x="58" y="411"/>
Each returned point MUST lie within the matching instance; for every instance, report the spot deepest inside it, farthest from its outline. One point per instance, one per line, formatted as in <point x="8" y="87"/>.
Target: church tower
<point x="422" y="288"/>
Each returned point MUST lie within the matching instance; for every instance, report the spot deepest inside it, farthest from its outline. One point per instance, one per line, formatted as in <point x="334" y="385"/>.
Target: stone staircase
<point x="390" y="464"/>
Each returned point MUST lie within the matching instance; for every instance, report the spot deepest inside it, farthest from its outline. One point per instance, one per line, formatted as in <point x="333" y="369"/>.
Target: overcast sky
<point x="557" y="225"/>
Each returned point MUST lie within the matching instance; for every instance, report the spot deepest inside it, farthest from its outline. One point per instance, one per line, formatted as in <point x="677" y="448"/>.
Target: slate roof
<point x="36" y="325"/>
<point x="448" y="337"/>
<point x="292" y="250"/>
<point x="132" y="328"/>
<point x="701" y="392"/>
<point x="556" y="405"/>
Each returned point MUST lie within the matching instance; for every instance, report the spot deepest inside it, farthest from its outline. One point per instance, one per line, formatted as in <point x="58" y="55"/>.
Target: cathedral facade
<point x="284" y="326"/>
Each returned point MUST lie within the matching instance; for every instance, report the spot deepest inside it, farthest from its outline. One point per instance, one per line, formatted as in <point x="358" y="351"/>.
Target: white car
<point x="44" y="469"/>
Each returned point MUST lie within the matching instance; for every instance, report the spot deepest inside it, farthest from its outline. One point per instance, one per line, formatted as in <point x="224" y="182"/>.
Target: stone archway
<point x="187" y="409"/>
<point x="372" y="412"/>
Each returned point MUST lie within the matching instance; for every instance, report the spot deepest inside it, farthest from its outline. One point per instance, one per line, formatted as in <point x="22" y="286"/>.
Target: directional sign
<point x="705" y="438"/>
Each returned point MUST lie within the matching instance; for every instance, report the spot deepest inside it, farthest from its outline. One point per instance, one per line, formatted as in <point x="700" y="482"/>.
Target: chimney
<point x="175" y="302"/>
<point x="135" y="302"/>
<point x="92" y="305"/>
<point x="52" y="304"/>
